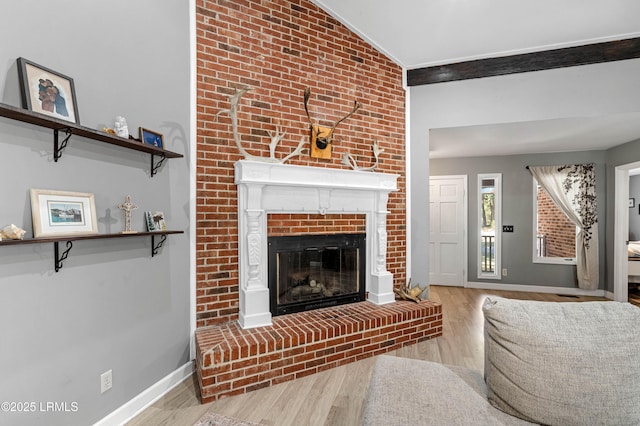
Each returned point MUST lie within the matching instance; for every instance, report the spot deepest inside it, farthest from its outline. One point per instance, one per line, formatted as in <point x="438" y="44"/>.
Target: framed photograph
<point x="59" y="213"/>
<point x="155" y="221"/>
<point x="47" y="92"/>
<point x="632" y="202"/>
<point x="151" y="138"/>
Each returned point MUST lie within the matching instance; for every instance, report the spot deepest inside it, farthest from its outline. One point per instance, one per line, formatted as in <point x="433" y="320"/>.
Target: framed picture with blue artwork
<point x="62" y="213"/>
<point x="150" y="137"/>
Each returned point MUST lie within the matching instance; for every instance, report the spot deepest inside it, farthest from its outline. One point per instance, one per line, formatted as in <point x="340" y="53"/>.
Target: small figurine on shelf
<point x="12" y="232"/>
<point x="127" y="206"/>
<point x="121" y="127"/>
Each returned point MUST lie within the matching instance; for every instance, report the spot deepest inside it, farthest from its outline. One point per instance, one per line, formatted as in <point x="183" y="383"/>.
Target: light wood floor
<point x="335" y="397"/>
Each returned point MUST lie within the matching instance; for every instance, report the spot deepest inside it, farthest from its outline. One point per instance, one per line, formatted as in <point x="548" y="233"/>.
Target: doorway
<point x="448" y="230"/>
<point x="621" y="232"/>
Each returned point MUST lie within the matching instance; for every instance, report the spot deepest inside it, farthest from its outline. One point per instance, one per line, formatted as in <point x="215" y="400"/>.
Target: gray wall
<point x="112" y="306"/>
<point x="517" y="210"/>
<point x="583" y="91"/>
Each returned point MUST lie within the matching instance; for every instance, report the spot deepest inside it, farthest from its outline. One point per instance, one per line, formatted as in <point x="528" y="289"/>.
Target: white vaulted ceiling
<point x="420" y="33"/>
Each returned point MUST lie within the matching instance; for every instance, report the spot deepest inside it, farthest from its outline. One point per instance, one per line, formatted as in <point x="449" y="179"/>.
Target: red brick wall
<point x="279" y="48"/>
<point x="301" y="224"/>
<point x="559" y="231"/>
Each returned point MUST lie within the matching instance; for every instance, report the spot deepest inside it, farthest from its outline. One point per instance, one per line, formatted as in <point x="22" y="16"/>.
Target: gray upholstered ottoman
<point x="412" y="392"/>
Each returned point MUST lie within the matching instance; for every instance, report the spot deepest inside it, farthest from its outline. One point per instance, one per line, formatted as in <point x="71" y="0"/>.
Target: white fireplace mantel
<point x="265" y="188"/>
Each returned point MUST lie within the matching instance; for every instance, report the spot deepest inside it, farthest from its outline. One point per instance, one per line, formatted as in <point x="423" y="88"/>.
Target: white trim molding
<point x="147" y="397"/>
<point x="193" y="150"/>
<point x="565" y="291"/>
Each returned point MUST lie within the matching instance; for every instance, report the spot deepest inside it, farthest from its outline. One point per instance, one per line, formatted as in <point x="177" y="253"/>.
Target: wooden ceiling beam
<point x="618" y="50"/>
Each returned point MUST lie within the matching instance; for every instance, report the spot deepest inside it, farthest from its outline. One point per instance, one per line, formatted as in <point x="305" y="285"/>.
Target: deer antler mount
<point x="322" y="137"/>
<point x="275" y="137"/>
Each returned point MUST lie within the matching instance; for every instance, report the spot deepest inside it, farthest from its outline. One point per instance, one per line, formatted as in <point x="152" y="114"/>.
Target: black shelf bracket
<point x="155" y="166"/>
<point x="58" y="146"/>
<point x="156" y="247"/>
<point x="59" y="258"/>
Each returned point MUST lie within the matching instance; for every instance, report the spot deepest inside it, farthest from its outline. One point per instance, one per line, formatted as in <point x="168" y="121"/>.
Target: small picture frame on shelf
<point x="47" y="92"/>
<point x="150" y="137"/>
<point x="59" y="213"/>
<point x="155" y="221"/>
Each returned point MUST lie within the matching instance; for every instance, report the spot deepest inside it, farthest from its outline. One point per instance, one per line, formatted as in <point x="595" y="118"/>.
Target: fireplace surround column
<point x="281" y="188"/>
<point x="381" y="279"/>
<point x="252" y="247"/>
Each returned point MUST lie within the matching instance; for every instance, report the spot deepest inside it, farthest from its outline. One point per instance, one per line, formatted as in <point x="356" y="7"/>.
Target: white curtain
<point x="573" y="189"/>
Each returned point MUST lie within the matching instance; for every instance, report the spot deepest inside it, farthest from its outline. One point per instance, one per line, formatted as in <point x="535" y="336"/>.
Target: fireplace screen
<point x="314" y="271"/>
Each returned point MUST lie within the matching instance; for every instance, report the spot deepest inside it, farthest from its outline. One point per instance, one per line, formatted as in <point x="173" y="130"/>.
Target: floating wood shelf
<point x="70" y="129"/>
<point x="60" y="257"/>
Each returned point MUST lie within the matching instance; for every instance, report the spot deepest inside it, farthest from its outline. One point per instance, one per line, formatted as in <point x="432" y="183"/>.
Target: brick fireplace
<point x="259" y="350"/>
<point x="265" y="188"/>
<point x="280" y="47"/>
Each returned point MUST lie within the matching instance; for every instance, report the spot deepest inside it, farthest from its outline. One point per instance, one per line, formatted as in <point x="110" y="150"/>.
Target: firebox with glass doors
<point x="314" y="271"/>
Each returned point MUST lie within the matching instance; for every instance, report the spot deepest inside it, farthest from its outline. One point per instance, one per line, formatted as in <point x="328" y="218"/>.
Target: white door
<point x="447" y="248"/>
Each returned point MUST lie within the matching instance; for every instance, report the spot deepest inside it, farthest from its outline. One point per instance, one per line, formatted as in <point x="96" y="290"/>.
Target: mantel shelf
<point x="70" y="128"/>
<point x="59" y="258"/>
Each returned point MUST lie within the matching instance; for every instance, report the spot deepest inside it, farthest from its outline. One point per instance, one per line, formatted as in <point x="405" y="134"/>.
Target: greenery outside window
<point x="489" y="225"/>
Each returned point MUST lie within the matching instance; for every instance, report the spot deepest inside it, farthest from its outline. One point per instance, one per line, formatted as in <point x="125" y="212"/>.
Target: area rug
<point x="215" y="419"/>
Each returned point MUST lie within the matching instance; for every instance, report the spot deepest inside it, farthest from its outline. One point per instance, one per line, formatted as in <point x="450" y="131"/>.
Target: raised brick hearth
<point x="231" y="360"/>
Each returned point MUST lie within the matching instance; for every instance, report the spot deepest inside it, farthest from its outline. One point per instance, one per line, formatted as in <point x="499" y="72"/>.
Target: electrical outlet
<point x="504" y="272"/>
<point x="106" y="381"/>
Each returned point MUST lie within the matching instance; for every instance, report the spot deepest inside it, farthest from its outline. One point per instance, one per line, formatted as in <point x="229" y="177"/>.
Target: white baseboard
<point x="147" y="397"/>
<point x="566" y="291"/>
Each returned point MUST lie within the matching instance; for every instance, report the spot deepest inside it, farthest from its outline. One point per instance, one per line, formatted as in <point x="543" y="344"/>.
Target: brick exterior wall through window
<point x="558" y="231"/>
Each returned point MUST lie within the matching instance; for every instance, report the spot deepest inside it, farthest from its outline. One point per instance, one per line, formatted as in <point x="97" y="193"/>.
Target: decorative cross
<point x="127" y="206"/>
